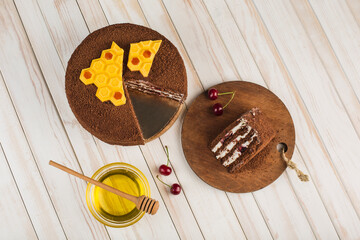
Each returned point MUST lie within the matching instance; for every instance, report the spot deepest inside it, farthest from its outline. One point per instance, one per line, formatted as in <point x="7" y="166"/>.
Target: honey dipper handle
<point x="96" y="183"/>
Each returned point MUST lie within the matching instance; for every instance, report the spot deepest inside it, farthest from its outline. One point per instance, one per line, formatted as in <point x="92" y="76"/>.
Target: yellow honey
<point x="106" y="73"/>
<point x="114" y="207"/>
<point x="141" y="56"/>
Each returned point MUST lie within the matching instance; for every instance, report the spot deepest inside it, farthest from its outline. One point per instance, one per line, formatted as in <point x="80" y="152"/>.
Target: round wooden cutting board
<point x="201" y="126"/>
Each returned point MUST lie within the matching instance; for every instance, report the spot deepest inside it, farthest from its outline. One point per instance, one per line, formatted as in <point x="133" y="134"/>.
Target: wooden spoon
<point x="142" y="203"/>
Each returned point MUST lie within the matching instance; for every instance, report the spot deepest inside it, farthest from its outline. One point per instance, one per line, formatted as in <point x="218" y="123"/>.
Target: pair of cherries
<point x="166" y="171"/>
<point x="213" y="94"/>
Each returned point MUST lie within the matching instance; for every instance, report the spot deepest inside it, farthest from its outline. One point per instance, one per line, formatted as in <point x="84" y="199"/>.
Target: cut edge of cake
<point x="149" y="88"/>
<point x="242" y="140"/>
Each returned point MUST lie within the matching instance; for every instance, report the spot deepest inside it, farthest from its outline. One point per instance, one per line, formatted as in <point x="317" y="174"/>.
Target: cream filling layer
<point x="232" y="131"/>
<point x="236" y="154"/>
<point x="230" y="146"/>
<point x="146" y="87"/>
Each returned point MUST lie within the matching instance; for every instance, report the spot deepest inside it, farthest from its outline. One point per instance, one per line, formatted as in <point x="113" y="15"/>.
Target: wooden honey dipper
<point x="142" y="203"/>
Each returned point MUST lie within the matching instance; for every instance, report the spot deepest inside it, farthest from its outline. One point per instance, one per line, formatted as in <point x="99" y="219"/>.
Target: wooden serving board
<point x="201" y="126"/>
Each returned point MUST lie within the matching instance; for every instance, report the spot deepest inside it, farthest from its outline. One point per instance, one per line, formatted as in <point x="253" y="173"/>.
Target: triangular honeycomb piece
<point x="141" y="56"/>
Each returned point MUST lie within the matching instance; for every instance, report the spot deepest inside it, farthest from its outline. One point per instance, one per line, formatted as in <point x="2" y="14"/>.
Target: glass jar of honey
<point x="111" y="209"/>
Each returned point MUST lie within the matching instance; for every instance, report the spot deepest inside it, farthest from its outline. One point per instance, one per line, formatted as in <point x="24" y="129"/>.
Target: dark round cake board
<point x="201" y="126"/>
<point x="155" y="114"/>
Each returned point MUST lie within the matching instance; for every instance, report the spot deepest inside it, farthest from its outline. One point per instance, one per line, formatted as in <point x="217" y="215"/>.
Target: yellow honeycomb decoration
<point x="106" y="73"/>
<point x="142" y="55"/>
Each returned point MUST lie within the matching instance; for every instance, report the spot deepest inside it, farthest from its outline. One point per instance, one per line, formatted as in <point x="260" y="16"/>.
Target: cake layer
<point x="149" y="88"/>
<point x="240" y="143"/>
<point x="231" y="142"/>
<point x="242" y="140"/>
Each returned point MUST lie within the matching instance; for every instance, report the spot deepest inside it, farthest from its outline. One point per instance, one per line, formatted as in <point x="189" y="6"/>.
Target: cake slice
<point x="237" y="144"/>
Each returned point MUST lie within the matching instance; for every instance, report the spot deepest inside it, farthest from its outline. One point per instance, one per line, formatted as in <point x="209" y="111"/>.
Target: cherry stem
<point x="225" y="93"/>
<point x="233" y="94"/>
<point x="157" y="176"/>
<point x="167" y="155"/>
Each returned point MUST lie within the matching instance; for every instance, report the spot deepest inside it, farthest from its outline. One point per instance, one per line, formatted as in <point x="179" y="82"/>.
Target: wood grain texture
<point x="309" y="142"/>
<point x="201" y="126"/>
<point x="43" y="129"/>
<point x="25" y="171"/>
<point x="343" y="33"/>
<point x="306" y="52"/>
<point x="265" y="72"/>
<point x="354" y="7"/>
<point x="333" y="67"/>
<point x="11" y="217"/>
<point x="204" y="217"/>
<point x="283" y="189"/>
<point x="83" y="142"/>
<point x="193" y="189"/>
<point x="303" y="63"/>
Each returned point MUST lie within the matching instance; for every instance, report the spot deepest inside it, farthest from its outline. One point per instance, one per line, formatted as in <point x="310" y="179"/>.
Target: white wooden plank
<point x="318" y="38"/>
<point x="200" y="44"/>
<point x="312" y="203"/>
<point x="53" y="72"/>
<point x="43" y="128"/>
<point x="13" y="211"/>
<point x="284" y="186"/>
<point x="122" y="11"/>
<point x="354" y="6"/>
<point x="63" y="15"/>
<point x="238" y="50"/>
<point x="303" y="63"/>
<point x="249" y="215"/>
<point x="26" y="174"/>
<point x="335" y="199"/>
<point x="343" y="33"/>
<point x="311" y="148"/>
<point x="93" y="15"/>
<point x="82" y="141"/>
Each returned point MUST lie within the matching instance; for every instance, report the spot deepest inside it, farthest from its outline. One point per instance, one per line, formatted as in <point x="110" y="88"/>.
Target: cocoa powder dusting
<point x="118" y="124"/>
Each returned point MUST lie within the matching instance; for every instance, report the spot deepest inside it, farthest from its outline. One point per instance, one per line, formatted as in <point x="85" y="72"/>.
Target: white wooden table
<point x="305" y="51"/>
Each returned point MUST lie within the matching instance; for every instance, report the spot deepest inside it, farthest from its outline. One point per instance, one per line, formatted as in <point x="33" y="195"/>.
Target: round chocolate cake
<point x="152" y="102"/>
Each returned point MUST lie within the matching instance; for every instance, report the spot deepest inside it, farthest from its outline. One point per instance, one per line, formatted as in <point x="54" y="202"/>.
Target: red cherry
<point x="175" y="189"/>
<point x="218" y="109"/>
<point x="165" y="170"/>
<point x="213" y="93"/>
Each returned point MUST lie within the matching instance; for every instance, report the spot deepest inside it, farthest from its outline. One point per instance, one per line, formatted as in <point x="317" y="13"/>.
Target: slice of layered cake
<point x="237" y="144"/>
